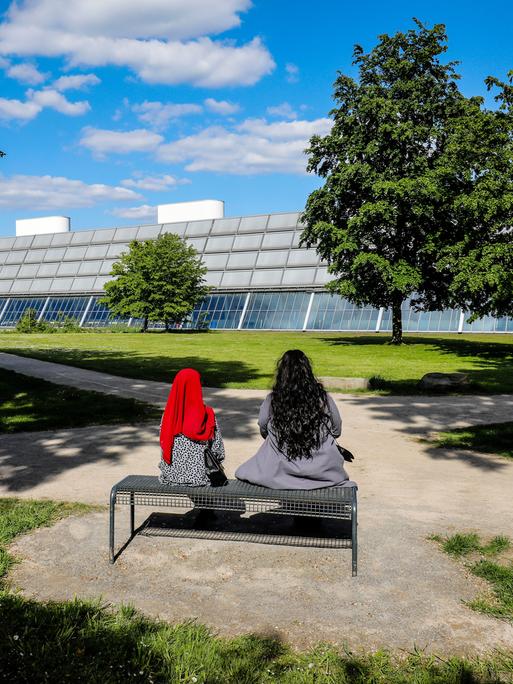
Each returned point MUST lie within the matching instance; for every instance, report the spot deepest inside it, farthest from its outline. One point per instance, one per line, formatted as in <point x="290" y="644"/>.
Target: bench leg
<point x="354" y="535"/>
<point x="111" y="524"/>
<point x="132" y="515"/>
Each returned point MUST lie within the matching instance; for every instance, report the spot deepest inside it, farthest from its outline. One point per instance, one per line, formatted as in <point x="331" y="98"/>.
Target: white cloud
<point x="154" y="183"/>
<point x="16" y="109"/>
<point x="292" y="71"/>
<point x="26" y="73"/>
<point x="54" y="100"/>
<point x="253" y="147"/>
<point x="142" y="212"/>
<point x="283" y="110"/>
<point x="158" y="114"/>
<point x="162" y="41"/>
<point x="221" y="106"/>
<point x="75" y="82"/>
<point x="36" y="101"/>
<point x="101" y="141"/>
<point x="56" y="192"/>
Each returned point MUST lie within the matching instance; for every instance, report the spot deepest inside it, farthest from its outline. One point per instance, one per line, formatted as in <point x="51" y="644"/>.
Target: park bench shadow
<point x="268" y="528"/>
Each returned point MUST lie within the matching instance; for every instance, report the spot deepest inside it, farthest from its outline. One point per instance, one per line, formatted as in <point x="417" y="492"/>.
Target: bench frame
<point x="334" y="503"/>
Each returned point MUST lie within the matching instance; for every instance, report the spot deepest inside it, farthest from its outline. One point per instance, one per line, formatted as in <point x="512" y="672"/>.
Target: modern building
<point x="260" y="277"/>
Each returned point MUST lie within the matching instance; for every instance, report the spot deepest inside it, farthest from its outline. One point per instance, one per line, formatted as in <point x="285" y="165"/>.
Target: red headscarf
<point x="185" y="413"/>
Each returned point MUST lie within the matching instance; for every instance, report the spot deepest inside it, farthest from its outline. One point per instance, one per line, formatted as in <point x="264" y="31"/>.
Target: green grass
<point x="497" y="572"/>
<point x="28" y="404"/>
<point x="494" y="438"/>
<point x="247" y="359"/>
<point x="87" y="642"/>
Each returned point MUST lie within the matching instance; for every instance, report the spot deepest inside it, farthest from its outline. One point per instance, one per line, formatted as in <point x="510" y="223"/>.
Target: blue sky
<point x="110" y="107"/>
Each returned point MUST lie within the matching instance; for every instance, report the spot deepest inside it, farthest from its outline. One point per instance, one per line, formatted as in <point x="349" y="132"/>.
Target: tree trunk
<point x="145" y="324"/>
<point x="397" y="321"/>
<point x="166" y="323"/>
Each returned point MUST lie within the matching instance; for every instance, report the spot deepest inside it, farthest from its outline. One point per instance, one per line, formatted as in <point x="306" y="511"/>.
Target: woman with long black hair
<point x="300" y="423"/>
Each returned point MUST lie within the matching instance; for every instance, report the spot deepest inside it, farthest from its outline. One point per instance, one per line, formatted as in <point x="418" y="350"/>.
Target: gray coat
<point x="269" y="467"/>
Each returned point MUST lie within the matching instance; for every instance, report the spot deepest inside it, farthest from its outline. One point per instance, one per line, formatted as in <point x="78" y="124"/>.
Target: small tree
<point x="29" y="323"/>
<point x="156" y="280"/>
<point x="410" y="166"/>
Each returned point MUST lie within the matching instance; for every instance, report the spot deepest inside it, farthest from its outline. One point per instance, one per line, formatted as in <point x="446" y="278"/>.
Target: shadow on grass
<point x="132" y="364"/>
<point x="83" y="642"/>
<point x="495" y="359"/>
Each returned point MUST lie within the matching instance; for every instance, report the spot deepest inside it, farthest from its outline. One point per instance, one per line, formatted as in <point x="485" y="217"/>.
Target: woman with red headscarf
<point x="186" y="429"/>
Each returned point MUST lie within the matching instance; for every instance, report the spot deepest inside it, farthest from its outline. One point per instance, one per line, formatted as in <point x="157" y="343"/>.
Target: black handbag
<point x="345" y="453"/>
<point x="214" y="468"/>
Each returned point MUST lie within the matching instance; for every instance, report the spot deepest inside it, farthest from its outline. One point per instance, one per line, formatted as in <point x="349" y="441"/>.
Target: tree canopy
<point x="417" y="178"/>
<point x="156" y="280"/>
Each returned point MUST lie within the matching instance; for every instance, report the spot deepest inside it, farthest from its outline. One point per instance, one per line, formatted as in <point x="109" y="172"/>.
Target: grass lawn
<point x="86" y="642"/>
<point x="247" y="359"/>
<point x="492" y="562"/>
<point x="28" y="404"/>
<point x="495" y="438"/>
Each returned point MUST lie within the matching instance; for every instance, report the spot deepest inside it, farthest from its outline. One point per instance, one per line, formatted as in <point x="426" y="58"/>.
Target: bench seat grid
<point x="332" y="502"/>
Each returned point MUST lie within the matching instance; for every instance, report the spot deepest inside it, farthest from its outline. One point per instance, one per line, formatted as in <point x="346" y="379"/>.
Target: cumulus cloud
<point x="75" y="82"/>
<point x="292" y="71"/>
<point x="159" y="114"/>
<point x="283" y="110"/>
<point x="57" y="192"/>
<point x="255" y="146"/>
<point x="54" y="100"/>
<point x="144" y="212"/>
<point x="16" y="109"/>
<point x="36" y="101"/>
<point x="154" y="183"/>
<point x="221" y="106"/>
<point x="161" y="41"/>
<point x="102" y="141"/>
<point x="25" y="72"/>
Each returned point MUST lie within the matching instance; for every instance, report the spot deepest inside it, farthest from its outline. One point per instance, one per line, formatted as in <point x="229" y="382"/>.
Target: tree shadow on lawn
<point x="495" y="359"/>
<point x="131" y="364"/>
<point x="89" y="642"/>
<point x="29" y="459"/>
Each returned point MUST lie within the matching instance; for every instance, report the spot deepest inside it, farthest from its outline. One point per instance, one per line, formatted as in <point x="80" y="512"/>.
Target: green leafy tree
<point x="410" y="165"/>
<point x="156" y="280"/>
<point x="481" y="262"/>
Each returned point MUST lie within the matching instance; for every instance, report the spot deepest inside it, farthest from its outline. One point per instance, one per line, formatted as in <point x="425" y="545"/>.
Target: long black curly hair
<point x="299" y="407"/>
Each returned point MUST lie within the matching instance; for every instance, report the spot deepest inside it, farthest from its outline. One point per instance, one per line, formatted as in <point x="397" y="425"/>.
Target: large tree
<point x="156" y="280"/>
<point x="410" y="164"/>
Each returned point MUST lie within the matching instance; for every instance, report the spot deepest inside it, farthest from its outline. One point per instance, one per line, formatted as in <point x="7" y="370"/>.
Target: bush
<point x="28" y="323"/>
<point x="67" y="323"/>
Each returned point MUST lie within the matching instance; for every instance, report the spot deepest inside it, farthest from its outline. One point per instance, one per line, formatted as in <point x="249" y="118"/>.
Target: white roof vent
<point x="190" y="211"/>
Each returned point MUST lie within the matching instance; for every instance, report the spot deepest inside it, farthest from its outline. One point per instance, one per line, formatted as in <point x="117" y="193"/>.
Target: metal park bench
<point x="333" y="503"/>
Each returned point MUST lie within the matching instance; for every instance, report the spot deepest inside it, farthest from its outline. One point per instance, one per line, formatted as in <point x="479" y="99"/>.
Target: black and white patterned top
<point x="187" y="465"/>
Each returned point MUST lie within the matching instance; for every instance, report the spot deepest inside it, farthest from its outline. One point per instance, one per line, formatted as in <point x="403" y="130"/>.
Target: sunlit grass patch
<point x="497" y="572"/>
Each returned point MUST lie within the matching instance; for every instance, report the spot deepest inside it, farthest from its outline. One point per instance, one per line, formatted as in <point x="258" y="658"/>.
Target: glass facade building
<point x="260" y="279"/>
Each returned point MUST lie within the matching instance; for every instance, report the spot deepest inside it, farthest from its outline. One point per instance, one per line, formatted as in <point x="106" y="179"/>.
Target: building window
<point x="276" y="311"/>
<point x="17" y="307"/>
<point x="332" y="312"/>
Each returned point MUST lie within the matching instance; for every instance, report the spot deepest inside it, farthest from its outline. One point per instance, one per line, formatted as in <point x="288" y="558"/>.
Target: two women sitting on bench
<point x="298" y="420"/>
